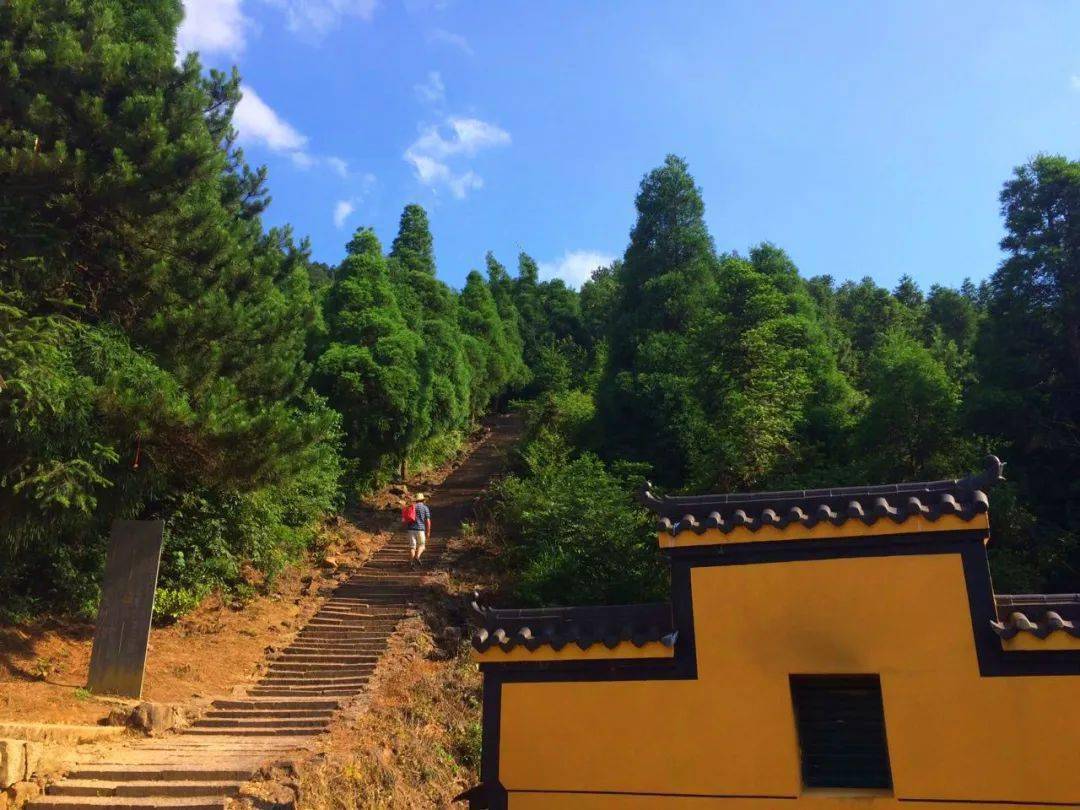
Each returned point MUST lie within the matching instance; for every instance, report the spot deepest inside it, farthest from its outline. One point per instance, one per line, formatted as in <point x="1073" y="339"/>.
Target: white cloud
<point x="457" y="138"/>
<point x="575" y="266"/>
<point x="342" y="211"/>
<point x="315" y="18"/>
<point x="302" y="160"/>
<point x="433" y="91"/>
<point x="221" y="27"/>
<point x="1074" y="82"/>
<point x="212" y="26"/>
<point x="441" y="35"/>
<point x="367" y="183"/>
<point x="339" y="166"/>
<point x="258" y="123"/>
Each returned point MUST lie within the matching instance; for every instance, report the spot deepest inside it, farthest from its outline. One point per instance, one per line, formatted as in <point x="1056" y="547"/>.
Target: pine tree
<point x="911" y="429"/>
<point x="414" y="246"/>
<point x="130" y="226"/>
<point x="502" y="290"/>
<point x="1028" y="357"/>
<point x="369" y="369"/>
<point x="491" y="354"/>
<point x="647" y="397"/>
<point x="430" y="307"/>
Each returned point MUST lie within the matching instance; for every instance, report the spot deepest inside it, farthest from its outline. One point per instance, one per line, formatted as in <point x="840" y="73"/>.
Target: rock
<point x="329" y="562"/>
<point x="12" y="762"/>
<point x="4" y="803"/>
<point x="155" y="718"/>
<point x="22" y="792"/>
<point x="120" y="716"/>
<point x="452" y="636"/>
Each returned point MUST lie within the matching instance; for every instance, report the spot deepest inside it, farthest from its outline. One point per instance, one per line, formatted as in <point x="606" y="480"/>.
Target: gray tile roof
<point x="583" y="626"/>
<point x="1041" y="615"/>
<point x="964" y="498"/>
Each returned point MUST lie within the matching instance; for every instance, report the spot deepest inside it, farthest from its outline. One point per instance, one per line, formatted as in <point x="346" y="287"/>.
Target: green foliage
<point x="494" y="363"/>
<point x="468" y="745"/>
<point x="160" y="352"/>
<point x="573" y="533"/>
<point x="1028" y="357"/>
<point x="370" y="369"/>
<point x="430" y="309"/>
<point x="911" y="429"/>
<point x="647" y="396"/>
<point x="153" y="335"/>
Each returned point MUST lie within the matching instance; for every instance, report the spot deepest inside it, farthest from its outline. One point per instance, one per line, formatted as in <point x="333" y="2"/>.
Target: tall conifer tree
<point x="369" y="369"/>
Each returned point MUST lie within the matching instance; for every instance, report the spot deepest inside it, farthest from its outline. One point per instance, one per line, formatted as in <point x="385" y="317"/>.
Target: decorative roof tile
<point x="964" y="498"/>
<point x="1039" y="614"/>
<point x="584" y="626"/>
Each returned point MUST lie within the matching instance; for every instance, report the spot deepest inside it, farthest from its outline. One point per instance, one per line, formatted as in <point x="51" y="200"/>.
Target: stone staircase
<point x="329" y="661"/>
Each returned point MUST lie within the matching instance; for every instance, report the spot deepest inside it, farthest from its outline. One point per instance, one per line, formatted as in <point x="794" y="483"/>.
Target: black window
<point x="841" y="725"/>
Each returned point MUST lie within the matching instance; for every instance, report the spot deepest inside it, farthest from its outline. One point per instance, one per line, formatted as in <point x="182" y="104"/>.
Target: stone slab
<point x="58" y="733"/>
<point x="118" y="658"/>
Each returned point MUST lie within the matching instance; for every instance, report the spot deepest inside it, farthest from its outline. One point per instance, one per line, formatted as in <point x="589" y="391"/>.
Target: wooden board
<point x="127" y="606"/>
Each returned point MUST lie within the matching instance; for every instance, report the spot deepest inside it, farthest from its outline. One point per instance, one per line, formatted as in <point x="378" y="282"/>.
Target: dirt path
<point x="326" y="664"/>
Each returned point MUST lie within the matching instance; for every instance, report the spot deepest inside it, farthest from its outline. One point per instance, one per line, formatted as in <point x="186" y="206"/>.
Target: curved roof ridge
<point x="962" y="497"/>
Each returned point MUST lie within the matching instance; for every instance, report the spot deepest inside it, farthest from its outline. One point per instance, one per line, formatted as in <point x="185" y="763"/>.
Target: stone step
<point x="274" y="691"/>
<point x="312" y="668"/>
<point x="321" y="678"/>
<point x="142" y="773"/>
<point x="267" y="731"/>
<point x="329" y="631"/>
<point x="333" y="637"/>
<point x="326" y="657"/>
<point x="357" y="681"/>
<point x="144" y="789"/>
<point x="59" y="733"/>
<point x="340" y="649"/>
<point x="248" y="722"/>
<point x="257" y="714"/>
<point x="65" y="802"/>
<point x="296" y="703"/>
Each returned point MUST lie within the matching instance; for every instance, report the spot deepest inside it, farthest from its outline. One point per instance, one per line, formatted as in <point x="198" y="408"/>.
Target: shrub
<point x="572" y="532"/>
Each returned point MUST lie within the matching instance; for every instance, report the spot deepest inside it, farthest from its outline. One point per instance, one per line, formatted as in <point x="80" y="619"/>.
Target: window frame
<point x="877" y="777"/>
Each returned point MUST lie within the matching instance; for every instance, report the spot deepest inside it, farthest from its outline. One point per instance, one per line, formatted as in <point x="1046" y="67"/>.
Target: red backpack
<point x="408" y="514"/>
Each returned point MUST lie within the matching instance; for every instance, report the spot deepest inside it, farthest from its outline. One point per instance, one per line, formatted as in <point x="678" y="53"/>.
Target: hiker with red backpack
<point x="416" y="519"/>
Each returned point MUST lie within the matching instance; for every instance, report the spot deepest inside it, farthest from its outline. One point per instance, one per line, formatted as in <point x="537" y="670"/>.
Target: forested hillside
<point x="164" y="354"/>
<point x="718" y="371"/>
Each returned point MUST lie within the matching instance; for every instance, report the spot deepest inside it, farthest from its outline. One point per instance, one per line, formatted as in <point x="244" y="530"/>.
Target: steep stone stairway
<point x="328" y="662"/>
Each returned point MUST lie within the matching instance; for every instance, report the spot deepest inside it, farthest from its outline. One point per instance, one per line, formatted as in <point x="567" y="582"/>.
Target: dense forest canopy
<point x="719" y="371"/>
<point x="164" y="354"/>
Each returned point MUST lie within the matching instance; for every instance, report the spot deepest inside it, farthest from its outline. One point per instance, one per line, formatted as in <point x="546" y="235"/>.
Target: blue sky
<point x="865" y="138"/>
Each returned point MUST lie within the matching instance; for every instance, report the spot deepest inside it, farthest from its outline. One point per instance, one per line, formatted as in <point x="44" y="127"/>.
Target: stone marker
<point x="127" y="605"/>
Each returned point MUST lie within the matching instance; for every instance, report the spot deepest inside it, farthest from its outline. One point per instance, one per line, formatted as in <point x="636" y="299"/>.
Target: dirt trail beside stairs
<point x="326" y="664"/>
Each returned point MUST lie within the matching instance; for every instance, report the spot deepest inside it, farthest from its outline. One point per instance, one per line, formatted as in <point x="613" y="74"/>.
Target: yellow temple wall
<point x="729" y="737"/>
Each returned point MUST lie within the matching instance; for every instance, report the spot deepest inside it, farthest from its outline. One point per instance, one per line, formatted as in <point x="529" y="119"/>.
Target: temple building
<point x="832" y="647"/>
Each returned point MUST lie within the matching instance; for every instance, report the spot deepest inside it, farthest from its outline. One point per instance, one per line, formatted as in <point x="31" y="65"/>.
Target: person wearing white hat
<point x="416" y="517"/>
